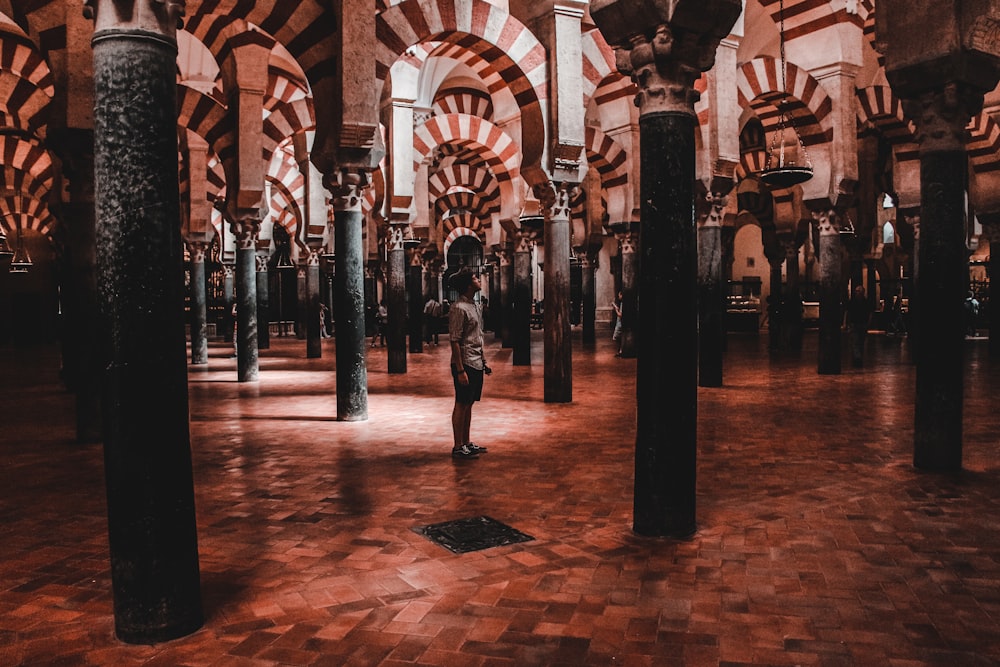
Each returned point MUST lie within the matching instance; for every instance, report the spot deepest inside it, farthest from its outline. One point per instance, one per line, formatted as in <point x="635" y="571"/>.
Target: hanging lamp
<point x="21" y="261"/>
<point x="780" y="171"/>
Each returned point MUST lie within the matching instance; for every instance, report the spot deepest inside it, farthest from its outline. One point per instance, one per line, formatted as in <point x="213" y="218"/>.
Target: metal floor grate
<point x="473" y="534"/>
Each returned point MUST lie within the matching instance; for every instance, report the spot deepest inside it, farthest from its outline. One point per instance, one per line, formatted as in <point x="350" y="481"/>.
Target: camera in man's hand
<point x="487" y="369"/>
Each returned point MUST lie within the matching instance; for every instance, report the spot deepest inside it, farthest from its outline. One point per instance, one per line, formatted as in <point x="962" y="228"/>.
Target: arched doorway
<point x="464" y="251"/>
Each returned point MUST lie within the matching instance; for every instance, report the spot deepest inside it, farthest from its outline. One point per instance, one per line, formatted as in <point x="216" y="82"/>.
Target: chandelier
<point x="780" y="169"/>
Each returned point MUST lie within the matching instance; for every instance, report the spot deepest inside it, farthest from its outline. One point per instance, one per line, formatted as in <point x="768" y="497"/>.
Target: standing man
<point x="468" y="365"/>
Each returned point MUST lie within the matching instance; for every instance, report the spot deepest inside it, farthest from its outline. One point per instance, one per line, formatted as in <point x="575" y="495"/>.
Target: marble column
<point x="521" y="301"/>
<point x="229" y="295"/>
<point x="588" y="265"/>
<point x="712" y="309"/>
<point x="301" y="300"/>
<point x="664" y="66"/>
<point x="831" y="312"/>
<point x="775" y="311"/>
<point x="941" y="116"/>
<point x="791" y="324"/>
<point x="140" y="277"/>
<point x="558" y="351"/>
<point x="349" y="294"/>
<point x="506" y="329"/>
<point x="415" y="303"/>
<point x="199" y="303"/>
<point x="247" y="364"/>
<point x="263" y="305"/>
<point x="629" y="250"/>
<point x="395" y="299"/>
<point x="314" y="339"/>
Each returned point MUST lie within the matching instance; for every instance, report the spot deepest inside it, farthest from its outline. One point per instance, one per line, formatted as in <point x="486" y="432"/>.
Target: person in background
<point x="616" y="336"/>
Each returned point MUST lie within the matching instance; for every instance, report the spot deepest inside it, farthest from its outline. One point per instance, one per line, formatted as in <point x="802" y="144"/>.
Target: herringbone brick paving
<point x="818" y="543"/>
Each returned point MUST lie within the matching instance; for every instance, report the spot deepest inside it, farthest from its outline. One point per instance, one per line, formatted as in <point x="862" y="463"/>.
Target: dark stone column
<point x="314" y="341"/>
<point x="629" y="249"/>
<point x="791" y="324"/>
<point x="229" y="290"/>
<point x="140" y="277"/>
<point x="588" y="264"/>
<point x="831" y="314"/>
<point x="506" y="328"/>
<point x="664" y="69"/>
<point x="667" y="341"/>
<point x="558" y="350"/>
<point x="711" y="311"/>
<point x="941" y="117"/>
<point x="349" y="295"/>
<point x="199" y="303"/>
<point x="247" y="363"/>
<point x="775" y="312"/>
<point x="263" y="305"/>
<point x="416" y="301"/>
<point x="521" y="302"/>
<point x="82" y="362"/>
<point x="301" y="301"/>
<point x="395" y="300"/>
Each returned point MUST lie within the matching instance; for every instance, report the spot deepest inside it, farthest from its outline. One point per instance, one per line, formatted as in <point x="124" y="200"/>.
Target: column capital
<point x="557" y="196"/>
<point x="197" y="249"/>
<point x="942" y="115"/>
<point x="260" y="264"/>
<point x="664" y="46"/>
<point x="162" y="18"/>
<point x="246" y="229"/>
<point x="345" y="186"/>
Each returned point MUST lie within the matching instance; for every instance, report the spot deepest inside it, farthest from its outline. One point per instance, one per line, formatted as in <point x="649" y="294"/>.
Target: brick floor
<point x="818" y="542"/>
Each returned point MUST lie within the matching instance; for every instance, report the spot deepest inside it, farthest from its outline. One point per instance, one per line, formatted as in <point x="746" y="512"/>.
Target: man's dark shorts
<point x="469" y="393"/>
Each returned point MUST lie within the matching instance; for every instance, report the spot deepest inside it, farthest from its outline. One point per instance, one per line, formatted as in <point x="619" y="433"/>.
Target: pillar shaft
<point x="630" y="289"/>
<point x="506" y="298"/>
<point x="263" y="305"/>
<point x="150" y="491"/>
<point x="395" y="301"/>
<point x="939" y="319"/>
<point x="349" y="296"/>
<point x="521" y="304"/>
<point x="314" y="339"/>
<point x="711" y="311"/>
<point x="415" y="320"/>
<point x="667" y="368"/>
<point x="830" y="288"/>
<point x="587" y="268"/>
<point x="199" y="305"/>
<point x="558" y="351"/>
<point x="247" y="362"/>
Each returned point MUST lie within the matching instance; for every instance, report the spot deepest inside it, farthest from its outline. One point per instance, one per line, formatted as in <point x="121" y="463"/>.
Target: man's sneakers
<point x="464" y="452"/>
<point x="468" y="451"/>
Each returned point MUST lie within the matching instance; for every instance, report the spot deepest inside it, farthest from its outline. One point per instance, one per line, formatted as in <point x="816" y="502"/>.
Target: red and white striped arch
<point x="804" y="17"/>
<point x="462" y="198"/>
<point x="496" y="146"/>
<point x="879" y="107"/>
<point x="983" y="145"/>
<point x="460" y="225"/>
<point x="463" y="100"/>
<point x="285" y="209"/>
<point x="21" y="154"/>
<point x="25" y="212"/>
<point x="805" y="102"/>
<point x="606" y="156"/>
<point x="16" y="180"/>
<point x="480" y="28"/>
